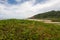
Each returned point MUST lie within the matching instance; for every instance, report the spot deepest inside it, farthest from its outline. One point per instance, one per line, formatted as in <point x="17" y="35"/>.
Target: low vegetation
<point x="13" y="29"/>
<point x="55" y="20"/>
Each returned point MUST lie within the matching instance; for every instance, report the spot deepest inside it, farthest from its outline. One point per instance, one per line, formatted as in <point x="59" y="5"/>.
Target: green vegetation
<point x="53" y="15"/>
<point x="13" y="29"/>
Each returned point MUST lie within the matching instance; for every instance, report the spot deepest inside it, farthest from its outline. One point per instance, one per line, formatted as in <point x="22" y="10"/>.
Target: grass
<point x="14" y="29"/>
<point x="56" y="20"/>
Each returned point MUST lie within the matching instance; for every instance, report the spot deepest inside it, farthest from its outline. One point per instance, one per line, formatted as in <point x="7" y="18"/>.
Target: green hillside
<point x="54" y="15"/>
<point x="14" y="29"/>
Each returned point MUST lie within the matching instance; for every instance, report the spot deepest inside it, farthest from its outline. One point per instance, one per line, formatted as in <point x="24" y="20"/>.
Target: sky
<point x="22" y="9"/>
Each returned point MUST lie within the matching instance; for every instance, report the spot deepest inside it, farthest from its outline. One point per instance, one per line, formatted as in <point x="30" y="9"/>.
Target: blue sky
<point x="22" y="9"/>
<point x="14" y="1"/>
<point x="22" y="1"/>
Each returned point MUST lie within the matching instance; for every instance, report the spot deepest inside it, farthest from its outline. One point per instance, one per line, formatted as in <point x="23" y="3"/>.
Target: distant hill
<point x="51" y="15"/>
<point x="47" y="15"/>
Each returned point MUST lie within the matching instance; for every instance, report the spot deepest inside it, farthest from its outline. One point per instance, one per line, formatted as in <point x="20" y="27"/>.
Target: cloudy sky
<point x="26" y="8"/>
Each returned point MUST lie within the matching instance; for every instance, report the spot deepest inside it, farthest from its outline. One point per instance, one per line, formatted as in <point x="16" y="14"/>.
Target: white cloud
<point x="27" y="9"/>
